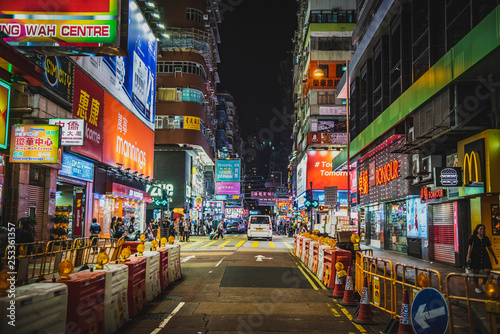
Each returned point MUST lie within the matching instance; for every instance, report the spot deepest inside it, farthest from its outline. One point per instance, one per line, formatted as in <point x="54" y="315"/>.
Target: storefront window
<point x="70" y="202"/>
<point x="395" y="232"/>
<point x="374" y="220"/>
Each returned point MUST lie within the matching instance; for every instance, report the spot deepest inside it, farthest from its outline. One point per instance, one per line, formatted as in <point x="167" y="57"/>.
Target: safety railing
<point x="55" y="253"/>
<point x="458" y="288"/>
<point x="381" y="277"/>
<point x="26" y="260"/>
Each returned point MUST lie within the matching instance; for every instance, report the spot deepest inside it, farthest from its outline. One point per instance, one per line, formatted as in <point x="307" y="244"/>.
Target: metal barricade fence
<point x="55" y="253"/>
<point x="460" y="292"/>
<point x="407" y="277"/>
<point x="106" y="245"/>
<point x="81" y="251"/>
<point x="26" y="260"/>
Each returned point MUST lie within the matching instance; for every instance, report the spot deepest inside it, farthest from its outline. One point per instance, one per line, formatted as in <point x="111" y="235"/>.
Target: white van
<point x="260" y="226"/>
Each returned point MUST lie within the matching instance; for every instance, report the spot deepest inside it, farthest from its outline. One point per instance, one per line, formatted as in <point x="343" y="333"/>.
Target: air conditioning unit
<point x="415" y="168"/>
<point x="411" y="135"/>
<point x="428" y="164"/>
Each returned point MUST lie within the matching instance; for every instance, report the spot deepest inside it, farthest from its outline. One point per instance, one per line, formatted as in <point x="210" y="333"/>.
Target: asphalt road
<point x="239" y="286"/>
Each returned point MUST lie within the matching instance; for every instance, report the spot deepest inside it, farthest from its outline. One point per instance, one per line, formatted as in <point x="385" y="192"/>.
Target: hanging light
<point x="318" y="73"/>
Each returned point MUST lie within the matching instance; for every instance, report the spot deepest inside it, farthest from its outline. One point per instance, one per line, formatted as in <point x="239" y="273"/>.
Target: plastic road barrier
<point x="332" y="255"/>
<point x="174" y="262"/>
<point x="136" y="290"/>
<point x="164" y="282"/>
<point x="152" y="274"/>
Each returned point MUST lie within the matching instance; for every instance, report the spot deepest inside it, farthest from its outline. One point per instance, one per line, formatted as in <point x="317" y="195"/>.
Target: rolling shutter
<point x="443" y="236"/>
<point x="35" y="206"/>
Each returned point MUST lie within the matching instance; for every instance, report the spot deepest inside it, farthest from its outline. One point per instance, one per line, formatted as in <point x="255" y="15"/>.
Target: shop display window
<point x="374" y="220"/>
<point x="395" y="235"/>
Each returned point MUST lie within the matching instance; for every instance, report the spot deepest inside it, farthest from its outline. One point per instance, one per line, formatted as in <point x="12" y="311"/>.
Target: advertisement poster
<point x="228" y="170"/>
<point x="319" y="171"/>
<point x="88" y="104"/>
<point x="495" y="218"/>
<point x="34" y="143"/>
<point x="416" y="218"/>
<point x="302" y="175"/>
<point x="58" y="76"/>
<point x="131" y="80"/>
<point x="127" y="140"/>
<point x="75" y="167"/>
<point x="4" y="113"/>
<point x="59" y="23"/>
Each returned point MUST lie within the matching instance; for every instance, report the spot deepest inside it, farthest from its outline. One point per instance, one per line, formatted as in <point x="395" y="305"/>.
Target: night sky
<point x="255" y="36"/>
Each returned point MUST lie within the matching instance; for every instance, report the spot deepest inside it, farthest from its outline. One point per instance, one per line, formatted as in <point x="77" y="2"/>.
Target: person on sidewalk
<point x="95" y="229"/>
<point x="220" y="230"/>
<point x="477" y="255"/>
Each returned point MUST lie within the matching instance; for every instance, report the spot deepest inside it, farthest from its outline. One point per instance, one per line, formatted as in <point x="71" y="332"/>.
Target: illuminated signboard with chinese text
<point x="228" y="170"/>
<point x="364" y="186"/>
<point x="227" y="188"/>
<point x="427" y="193"/>
<point x="4" y="113"/>
<point x="387" y="173"/>
<point x="34" y="143"/>
<point x="73" y="166"/>
<point x="72" y="130"/>
<point x="191" y="123"/>
<point x="60" y="23"/>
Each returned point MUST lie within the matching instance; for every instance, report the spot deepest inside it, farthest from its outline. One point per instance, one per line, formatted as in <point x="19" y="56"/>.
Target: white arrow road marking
<point x="261" y="257"/>
<point x="220" y="261"/>
<point x="186" y="259"/>
<point x="422" y="316"/>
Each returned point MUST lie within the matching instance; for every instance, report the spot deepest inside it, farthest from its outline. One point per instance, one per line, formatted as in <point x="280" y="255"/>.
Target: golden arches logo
<point x="472" y="172"/>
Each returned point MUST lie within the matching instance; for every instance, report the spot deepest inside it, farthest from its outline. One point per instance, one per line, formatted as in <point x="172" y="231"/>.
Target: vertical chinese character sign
<point x="34" y="143"/>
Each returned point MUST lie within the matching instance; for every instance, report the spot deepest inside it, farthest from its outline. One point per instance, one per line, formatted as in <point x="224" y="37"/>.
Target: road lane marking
<point x="170" y="316"/>
<point x="186" y="259"/>
<point x="313" y="276"/>
<point x="350" y="317"/>
<point x="288" y="246"/>
<point x="335" y="312"/>
<point x="223" y="244"/>
<point x="271" y="244"/>
<point x="308" y="278"/>
<point x="191" y="244"/>
<point x="220" y="262"/>
<point x="240" y="243"/>
<point x="255" y="243"/>
<point x="210" y="243"/>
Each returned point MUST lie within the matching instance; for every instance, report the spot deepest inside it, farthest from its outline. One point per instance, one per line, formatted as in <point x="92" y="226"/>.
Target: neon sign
<point x="387" y="173"/>
<point x="426" y="193"/>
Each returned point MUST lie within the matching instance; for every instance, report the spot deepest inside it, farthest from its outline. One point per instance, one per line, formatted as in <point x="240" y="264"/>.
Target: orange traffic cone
<point x="365" y="313"/>
<point x="338" y="291"/>
<point x="349" y="291"/>
<point x="404" y="321"/>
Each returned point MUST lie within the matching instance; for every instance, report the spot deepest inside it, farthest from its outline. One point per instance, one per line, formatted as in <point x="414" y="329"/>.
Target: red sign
<point x="387" y="173"/>
<point x="127" y="192"/>
<point x="426" y="193"/>
<point x="78" y="215"/>
<point x="319" y="171"/>
<point x="127" y="140"/>
<point x="70" y="7"/>
<point x="88" y="104"/>
<point x="262" y="194"/>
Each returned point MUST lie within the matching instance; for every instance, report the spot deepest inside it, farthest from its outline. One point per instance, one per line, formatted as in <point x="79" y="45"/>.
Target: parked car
<point x="233" y="227"/>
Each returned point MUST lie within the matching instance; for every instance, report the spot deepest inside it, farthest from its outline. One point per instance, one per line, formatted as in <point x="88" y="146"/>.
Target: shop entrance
<point x="70" y="202"/>
<point x="395" y="233"/>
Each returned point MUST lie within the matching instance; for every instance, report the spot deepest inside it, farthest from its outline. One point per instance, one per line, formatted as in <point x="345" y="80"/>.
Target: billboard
<point x="60" y="23"/>
<point x="72" y="130"/>
<point x="58" y="76"/>
<point x="227" y="188"/>
<point x="4" y="113"/>
<point x="416" y="218"/>
<point x="228" y="170"/>
<point x="126" y="139"/>
<point x="131" y="80"/>
<point x="88" y="104"/>
<point x="302" y="175"/>
<point x="34" y="143"/>
<point x="75" y="167"/>
<point x="319" y="171"/>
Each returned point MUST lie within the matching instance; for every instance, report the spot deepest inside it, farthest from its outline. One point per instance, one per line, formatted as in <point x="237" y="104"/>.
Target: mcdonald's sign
<point x="472" y="169"/>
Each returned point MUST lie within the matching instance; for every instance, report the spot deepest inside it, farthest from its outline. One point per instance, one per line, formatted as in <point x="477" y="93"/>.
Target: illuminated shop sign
<point x="73" y="166"/>
<point x="220" y="197"/>
<point x="447" y="176"/>
<point x="191" y="123"/>
<point x="387" y="173"/>
<point x="58" y="76"/>
<point x="61" y="23"/>
<point x="472" y="169"/>
<point x="30" y="143"/>
<point x="228" y="170"/>
<point x="72" y="130"/>
<point x="427" y="194"/>
<point x="4" y="113"/>
<point x="364" y="183"/>
<point x="157" y="193"/>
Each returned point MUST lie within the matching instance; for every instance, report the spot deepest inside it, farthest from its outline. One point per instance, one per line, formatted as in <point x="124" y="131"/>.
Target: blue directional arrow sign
<point x="429" y="312"/>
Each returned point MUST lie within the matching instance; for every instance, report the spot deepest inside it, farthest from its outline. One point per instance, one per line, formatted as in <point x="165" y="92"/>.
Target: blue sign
<point x="77" y="168"/>
<point x="319" y="195"/>
<point x="192" y="95"/>
<point x="220" y="197"/>
<point x="429" y="312"/>
<point x="228" y="170"/>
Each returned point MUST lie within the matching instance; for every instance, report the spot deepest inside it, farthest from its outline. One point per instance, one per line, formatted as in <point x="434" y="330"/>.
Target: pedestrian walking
<point x="477" y="255"/>
<point x="181" y="229"/>
<point x="112" y="228"/>
<point x="220" y="230"/>
<point x="95" y="229"/>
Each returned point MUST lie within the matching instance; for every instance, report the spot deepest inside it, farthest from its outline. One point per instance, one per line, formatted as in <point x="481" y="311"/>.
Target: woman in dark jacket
<point x="477" y="255"/>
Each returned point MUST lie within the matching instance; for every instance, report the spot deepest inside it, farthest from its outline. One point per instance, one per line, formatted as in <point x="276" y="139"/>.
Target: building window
<point x="326" y="97"/>
<point x="194" y="15"/>
<point x="333" y="16"/>
<point x="181" y="67"/>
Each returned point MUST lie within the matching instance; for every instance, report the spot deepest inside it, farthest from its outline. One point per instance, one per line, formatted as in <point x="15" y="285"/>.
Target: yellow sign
<point x="34" y="143"/>
<point x="376" y="290"/>
<point x="191" y="123"/>
<point x="472" y="172"/>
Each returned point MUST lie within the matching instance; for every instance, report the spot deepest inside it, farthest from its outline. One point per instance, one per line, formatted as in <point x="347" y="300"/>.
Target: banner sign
<point x="262" y="195"/>
<point x="192" y="95"/>
<point x="228" y="170"/>
<point x="319" y="171"/>
<point x="191" y="123"/>
<point x="131" y="80"/>
<point x="78" y="219"/>
<point x="127" y="140"/>
<point x="4" y="113"/>
<point x="227" y="188"/>
<point x="88" y="104"/>
<point x="327" y="138"/>
<point x="73" y="166"/>
<point x="34" y="143"/>
<point x="58" y="76"/>
<point x="61" y="23"/>
<point x="72" y="130"/>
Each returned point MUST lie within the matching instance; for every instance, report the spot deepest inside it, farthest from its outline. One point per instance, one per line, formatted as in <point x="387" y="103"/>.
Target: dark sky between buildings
<point x="255" y="36"/>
